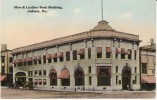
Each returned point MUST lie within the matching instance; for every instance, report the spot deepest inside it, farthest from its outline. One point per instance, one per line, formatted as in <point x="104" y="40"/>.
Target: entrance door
<point x="126" y="78"/>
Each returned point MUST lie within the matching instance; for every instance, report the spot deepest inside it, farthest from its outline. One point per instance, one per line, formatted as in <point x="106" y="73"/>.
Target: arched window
<point x="53" y="77"/>
<point x="65" y="77"/>
<point x="79" y="77"/>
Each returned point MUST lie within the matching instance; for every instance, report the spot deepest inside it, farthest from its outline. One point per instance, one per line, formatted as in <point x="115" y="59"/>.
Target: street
<point x="7" y="93"/>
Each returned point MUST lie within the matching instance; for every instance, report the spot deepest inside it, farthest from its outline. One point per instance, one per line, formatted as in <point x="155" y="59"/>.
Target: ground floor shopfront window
<point x="104" y="75"/>
<point x="79" y="77"/>
<point x="64" y="77"/>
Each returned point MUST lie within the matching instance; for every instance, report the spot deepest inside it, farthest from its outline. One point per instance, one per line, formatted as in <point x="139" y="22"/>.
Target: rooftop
<point x="101" y="30"/>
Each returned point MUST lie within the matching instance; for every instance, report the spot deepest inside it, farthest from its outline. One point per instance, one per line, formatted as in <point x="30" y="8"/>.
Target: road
<point x="47" y="94"/>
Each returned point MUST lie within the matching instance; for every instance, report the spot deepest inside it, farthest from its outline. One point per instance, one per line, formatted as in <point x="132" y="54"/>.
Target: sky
<point x="21" y="28"/>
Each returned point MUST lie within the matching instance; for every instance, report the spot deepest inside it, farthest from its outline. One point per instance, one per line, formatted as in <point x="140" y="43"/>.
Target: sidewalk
<point x="102" y="92"/>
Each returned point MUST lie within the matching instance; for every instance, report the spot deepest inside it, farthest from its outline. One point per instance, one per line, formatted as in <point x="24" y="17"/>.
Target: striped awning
<point x="29" y="59"/>
<point x="19" y="60"/>
<point x="108" y="50"/>
<point x="117" y="51"/>
<point x="81" y="52"/>
<point x="54" y="56"/>
<point x="23" y="60"/>
<point x="129" y="51"/>
<point x="48" y="56"/>
<point x="60" y="55"/>
<point x="148" y="79"/>
<point x="39" y="57"/>
<point x="2" y="77"/>
<point x="64" y="74"/>
<point x="99" y="49"/>
<point x="123" y="51"/>
<point x="34" y="58"/>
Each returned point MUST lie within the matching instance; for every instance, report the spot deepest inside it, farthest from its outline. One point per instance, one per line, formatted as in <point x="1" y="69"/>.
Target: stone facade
<point x="148" y="66"/>
<point x="106" y="59"/>
<point x="6" y="65"/>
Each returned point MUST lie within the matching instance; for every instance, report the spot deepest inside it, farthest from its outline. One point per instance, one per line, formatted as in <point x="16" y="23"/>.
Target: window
<point x="123" y="53"/>
<point x="74" y="54"/>
<point x="89" y="53"/>
<point x="40" y="81"/>
<point x="68" y="56"/>
<point x="39" y="61"/>
<point x="153" y="71"/>
<point x="135" y="53"/>
<point x="44" y="72"/>
<point x="19" y="64"/>
<point x="90" y="80"/>
<point x="49" y="60"/>
<point x="24" y="63"/>
<point x="82" y="53"/>
<point x="99" y="52"/>
<point x="129" y="53"/>
<point x="135" y="79"/>
<point x="35" y="62"/>
<point x="35" y="73"/>
<point x="3" y="59"/>
<point x="60" y="56"/>
<point x="3" y="69"/>
<point x="108" y="52"/>
<point x="135" y="69"/>
<point x="116" y="79"/>
<point x="144" y="68"/>
<point x="29" y="74"/>
<point x="116" y="69"/>
<point x="29" y="62"/>
<point x="44" y="59"/>
<point x="36" y="82"/>
<point x="103" y="77"/>
<point x="44" y="81"/>
<point x="89" y="69"/>
<point x="40" y="72"/>
<point x="10" y="59"/>
<point x="55" y="59"/>
<point x="117" y="52"/>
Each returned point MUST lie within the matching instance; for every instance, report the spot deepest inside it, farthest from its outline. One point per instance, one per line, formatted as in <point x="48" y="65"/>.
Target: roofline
<point x="80" y="36"/>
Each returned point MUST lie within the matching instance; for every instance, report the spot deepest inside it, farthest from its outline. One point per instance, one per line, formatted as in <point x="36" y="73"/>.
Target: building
<point x="148" y="66"/>
<point x="99" y="59"/>
<point x="6" y="65"/>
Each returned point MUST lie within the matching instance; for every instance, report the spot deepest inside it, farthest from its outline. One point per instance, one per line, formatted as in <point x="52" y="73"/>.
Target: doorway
<point x="126" y="78"/>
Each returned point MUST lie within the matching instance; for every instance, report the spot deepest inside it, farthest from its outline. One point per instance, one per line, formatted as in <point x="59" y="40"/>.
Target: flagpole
<point x="102" y="8"/>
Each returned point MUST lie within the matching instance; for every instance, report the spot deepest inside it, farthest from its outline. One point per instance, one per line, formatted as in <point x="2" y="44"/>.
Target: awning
<point x="19" y="60"/>
<point x="129" y="52"/>
<point x="99" y="49"/>
<point x="60" y="55"/>
<point x="23" y="60"/>
<point x="117" y="51"/>
<point x="34" y="58"/>
<point x="39" y="58"/>
<point x="148" y="79"/>
<point x="48" y="56"/>
<point x="2" y="77"/>
<point x="123" y="51"/>
<point x="54" y="56"/>
<point x="64" y="74"/>
<point x="108" y="50"/>
<point x="81" y="52"/>
<point x="29" y="59"/>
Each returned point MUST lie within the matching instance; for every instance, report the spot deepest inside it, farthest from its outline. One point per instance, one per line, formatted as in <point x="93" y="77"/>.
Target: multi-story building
<point x="99" y="59"/>
<point x="148" y="64"/>
<point x="6" y="65"/>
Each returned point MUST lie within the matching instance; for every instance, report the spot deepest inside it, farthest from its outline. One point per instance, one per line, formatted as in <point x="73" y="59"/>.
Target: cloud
<point x="127" y="15"/>
<point x="77" y="10"/>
